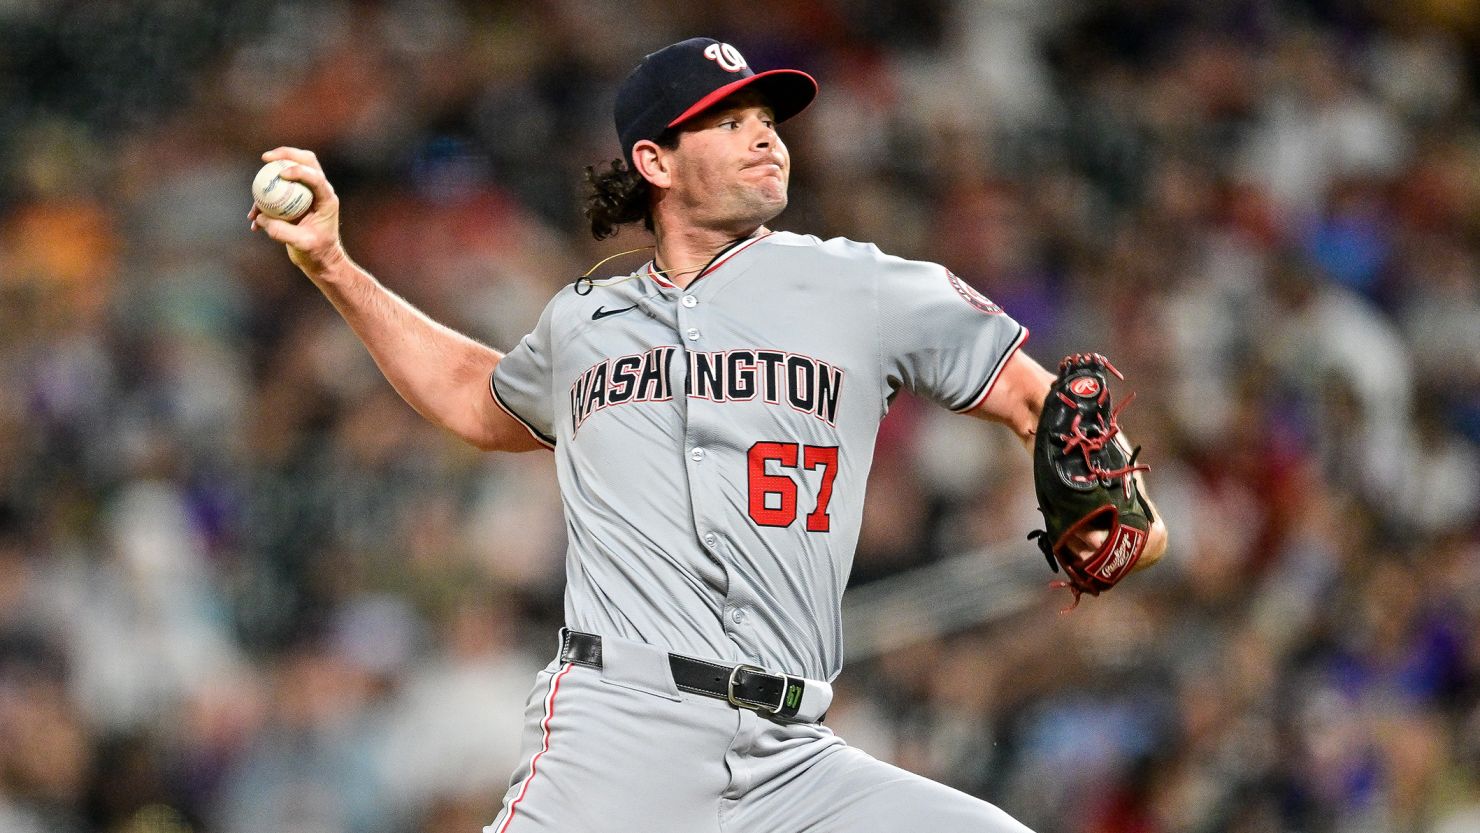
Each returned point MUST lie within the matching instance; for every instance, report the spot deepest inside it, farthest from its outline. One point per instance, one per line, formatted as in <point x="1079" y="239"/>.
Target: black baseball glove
<point x="1085" y="479"/>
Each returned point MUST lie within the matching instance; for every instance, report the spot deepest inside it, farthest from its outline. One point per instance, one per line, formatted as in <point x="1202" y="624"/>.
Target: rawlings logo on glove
<point x="1085" y="479"/>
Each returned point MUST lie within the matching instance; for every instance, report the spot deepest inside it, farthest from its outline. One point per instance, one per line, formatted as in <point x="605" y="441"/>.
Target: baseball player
<point x="713" y="416"/>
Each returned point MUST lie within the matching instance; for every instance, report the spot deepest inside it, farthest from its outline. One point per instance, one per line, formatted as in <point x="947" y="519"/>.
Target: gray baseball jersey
<point x="713" y="442"/>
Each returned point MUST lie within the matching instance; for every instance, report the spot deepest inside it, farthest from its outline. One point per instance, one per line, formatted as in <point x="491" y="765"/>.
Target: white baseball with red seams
<point x="283" y="199"/>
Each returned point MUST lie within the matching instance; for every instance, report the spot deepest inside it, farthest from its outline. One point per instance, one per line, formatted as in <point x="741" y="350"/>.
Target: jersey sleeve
<point x="940" y="337"/>
<point x="521" y="383"/>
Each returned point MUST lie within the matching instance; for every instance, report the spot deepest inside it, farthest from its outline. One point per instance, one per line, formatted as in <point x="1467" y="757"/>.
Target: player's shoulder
<point x="835" y="247"/>
<point x="841" y="249"/>
<point x="576" y="296"/>
<point x="564" y="298"/>
<point x="856" y="257"/>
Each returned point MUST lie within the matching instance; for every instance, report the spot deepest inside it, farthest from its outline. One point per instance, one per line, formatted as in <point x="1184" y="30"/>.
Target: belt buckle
<point x="730" y="690"/>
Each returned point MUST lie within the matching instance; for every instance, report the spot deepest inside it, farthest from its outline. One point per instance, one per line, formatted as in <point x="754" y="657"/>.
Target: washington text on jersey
<point x="801" y="382"/>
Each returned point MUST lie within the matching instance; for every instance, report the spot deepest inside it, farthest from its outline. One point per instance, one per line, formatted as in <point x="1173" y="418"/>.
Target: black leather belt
<point x="743" y="686"/>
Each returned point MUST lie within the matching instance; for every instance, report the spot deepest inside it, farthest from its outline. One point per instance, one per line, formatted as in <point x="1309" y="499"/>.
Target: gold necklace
<point x="591" y="284"/>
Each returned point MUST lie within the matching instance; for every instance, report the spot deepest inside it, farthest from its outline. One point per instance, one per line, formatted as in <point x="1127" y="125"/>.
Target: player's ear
<point x="653" y="163"/>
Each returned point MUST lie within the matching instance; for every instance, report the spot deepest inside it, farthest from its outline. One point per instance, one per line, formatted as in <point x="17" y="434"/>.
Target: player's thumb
<point x="289" y="234"/>
<point x="306" y="247"/>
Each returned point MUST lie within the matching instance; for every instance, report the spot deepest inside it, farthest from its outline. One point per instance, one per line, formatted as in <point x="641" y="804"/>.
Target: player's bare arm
<point x="1016" y="400"/>
<point x="441" y="373"/>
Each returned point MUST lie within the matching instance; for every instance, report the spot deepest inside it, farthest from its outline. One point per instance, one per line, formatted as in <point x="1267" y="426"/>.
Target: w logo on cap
<point x="726" y="56"/>
<point x="676" y="83"/>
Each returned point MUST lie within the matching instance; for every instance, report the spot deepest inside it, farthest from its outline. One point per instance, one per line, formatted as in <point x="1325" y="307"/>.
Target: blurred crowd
<point x="244" y="588"/>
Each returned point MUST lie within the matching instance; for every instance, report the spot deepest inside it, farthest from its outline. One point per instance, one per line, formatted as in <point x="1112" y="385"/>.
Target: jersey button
<point x="710" y="539"/>
<point x="692" y="333"/>
<point x="696" y="455"/>
<point x="690" y="301"/>
<point x="737" y="616"/>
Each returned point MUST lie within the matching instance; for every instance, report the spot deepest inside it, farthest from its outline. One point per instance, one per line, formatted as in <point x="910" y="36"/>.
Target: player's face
<point x="730" y="168"/>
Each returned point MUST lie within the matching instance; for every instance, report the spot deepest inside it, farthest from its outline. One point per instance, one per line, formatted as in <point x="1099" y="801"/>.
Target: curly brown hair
<point x="619" y="195"/>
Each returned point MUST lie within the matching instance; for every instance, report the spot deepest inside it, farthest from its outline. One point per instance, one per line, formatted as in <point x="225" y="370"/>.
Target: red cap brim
<point x="788" y="90"/>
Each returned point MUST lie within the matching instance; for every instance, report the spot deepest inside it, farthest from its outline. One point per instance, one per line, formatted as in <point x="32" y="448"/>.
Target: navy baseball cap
<point x="681" y="81"/>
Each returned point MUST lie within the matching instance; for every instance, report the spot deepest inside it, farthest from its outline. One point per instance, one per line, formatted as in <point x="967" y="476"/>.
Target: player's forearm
<point x="440" y="372"/>
<point x="1156" y="538"/>
<point x="1016" y="398"/>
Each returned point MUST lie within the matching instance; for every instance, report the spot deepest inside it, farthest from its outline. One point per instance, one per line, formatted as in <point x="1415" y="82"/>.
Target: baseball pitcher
<point x="713" y="416"/>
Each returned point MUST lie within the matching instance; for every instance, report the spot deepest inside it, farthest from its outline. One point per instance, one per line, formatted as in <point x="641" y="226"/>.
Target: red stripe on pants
<point x="544" y="747"/>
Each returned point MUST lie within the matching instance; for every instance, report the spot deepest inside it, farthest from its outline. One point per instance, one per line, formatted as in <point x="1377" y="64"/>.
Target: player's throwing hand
<point x="313" y="239"/>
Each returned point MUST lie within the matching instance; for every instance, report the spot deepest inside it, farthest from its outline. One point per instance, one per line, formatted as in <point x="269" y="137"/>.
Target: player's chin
<point x="769" y="200"/>
<point x="752" y="210"/>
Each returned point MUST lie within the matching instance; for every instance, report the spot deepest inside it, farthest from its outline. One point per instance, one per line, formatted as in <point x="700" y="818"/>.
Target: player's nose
<point x="768" y="146"/>
<point x="764" y="136"/>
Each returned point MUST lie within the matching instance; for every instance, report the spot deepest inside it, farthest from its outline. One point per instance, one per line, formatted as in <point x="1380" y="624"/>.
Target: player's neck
<point x="682" y="254"/>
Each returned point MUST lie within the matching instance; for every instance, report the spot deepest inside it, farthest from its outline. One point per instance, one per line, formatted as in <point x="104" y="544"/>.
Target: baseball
<point x="278" y="197"/>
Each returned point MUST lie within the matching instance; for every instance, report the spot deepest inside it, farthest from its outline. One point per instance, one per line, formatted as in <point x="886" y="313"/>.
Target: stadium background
<point x="243" y="588"/>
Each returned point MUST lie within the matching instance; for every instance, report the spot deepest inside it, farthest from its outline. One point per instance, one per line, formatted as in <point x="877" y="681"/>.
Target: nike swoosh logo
<point x="601" y="313"/>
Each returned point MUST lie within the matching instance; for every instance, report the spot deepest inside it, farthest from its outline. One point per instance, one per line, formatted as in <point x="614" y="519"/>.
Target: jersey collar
<point x="724" y="256"/>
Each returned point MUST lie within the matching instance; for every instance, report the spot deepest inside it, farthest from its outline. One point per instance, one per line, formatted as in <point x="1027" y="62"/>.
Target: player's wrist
<point x="329" y="266"/>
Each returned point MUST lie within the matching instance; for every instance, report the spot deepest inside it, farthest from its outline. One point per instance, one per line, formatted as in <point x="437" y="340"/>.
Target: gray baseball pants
<point x="622" y="749"/>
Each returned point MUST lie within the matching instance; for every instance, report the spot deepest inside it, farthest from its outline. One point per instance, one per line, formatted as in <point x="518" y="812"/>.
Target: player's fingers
<point x="323" y="192"/>
<point x="1084" y="544"/>
<point x="285" y="232"/>
<point x="292" y="154"/>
